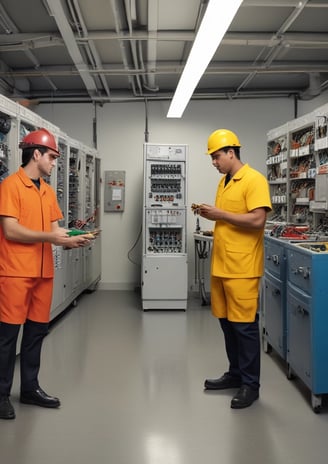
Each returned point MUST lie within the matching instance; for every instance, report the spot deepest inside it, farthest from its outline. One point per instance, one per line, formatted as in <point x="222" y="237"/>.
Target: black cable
<point x="132" y="248"/>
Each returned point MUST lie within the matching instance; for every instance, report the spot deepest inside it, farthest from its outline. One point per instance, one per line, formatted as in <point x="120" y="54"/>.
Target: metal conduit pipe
<point x="128" y="7"/>
<point x="90" y="47"/>
<point x="276" y="39"/>
<point x="116" y="13"/>
<point x="314" y="89"/>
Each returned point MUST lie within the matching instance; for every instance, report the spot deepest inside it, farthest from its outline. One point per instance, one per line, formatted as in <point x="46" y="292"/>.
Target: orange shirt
<point x="35" y="209"/>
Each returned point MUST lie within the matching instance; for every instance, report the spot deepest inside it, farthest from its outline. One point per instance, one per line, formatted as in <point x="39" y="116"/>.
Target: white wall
<point x="121" y="134"/>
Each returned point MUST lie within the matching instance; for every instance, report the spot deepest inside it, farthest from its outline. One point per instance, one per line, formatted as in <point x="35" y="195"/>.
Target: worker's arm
<point x="16" y="232"/>
<point x="254" y="219"/>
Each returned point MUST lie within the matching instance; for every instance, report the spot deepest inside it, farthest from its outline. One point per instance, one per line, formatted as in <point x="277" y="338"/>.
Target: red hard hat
<point x="39" y="138"/>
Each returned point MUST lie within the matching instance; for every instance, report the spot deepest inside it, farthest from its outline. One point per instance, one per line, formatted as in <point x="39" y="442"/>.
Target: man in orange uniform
<point x="29" y="215"/>
<point x="242" y="202"/>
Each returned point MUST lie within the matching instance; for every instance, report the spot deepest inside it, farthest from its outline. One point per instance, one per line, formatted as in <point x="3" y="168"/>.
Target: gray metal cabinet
<point x="274" y="298"/>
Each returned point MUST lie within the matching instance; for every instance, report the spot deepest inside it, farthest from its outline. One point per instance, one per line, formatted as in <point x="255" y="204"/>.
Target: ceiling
<point x="129" y="50"/>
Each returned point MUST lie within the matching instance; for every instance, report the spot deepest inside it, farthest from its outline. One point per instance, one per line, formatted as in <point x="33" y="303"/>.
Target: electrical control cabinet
<point x="8" y="138"/>
<point x="114" y="193"/>
<point x="74" y="188"/>
<point x="76" y="180"/>
<point x="165" y="231"/>
<point x="164" y="248"/>
<point x="61" y="179"/>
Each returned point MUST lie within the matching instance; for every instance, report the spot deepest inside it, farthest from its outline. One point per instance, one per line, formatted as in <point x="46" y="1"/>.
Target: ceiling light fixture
<point x="216" y="21"/>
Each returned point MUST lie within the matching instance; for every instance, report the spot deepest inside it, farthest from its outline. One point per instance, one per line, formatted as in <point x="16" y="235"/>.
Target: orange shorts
<point x="24" y="298"/>
<point x="235" y="299"/>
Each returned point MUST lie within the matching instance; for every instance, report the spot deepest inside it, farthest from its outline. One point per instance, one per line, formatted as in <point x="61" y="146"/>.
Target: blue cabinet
<point x="295" y="310"/>
<point x="307" y="317"/>
<point x="299" y="334"/>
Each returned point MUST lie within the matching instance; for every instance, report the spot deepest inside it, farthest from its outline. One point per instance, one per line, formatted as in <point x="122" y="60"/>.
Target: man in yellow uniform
<point x="240" y="210"/>
<point x="29" y="215"/>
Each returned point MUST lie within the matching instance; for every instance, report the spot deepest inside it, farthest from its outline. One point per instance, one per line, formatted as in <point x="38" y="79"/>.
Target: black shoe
<point x="226" y="381"/>
<point x="40" y="398"/>
<point x="244" y="397"/>
<point x="6" y="408"/>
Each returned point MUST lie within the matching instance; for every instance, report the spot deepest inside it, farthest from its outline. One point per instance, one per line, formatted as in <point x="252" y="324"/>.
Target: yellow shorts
<point x="235" y="299"/>
<point x="24" y="298"/>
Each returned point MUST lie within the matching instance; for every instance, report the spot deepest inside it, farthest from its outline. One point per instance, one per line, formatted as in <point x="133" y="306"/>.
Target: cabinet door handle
<point x="273" y="258"/>
<point x="301" y="310"/>
<point x="305" y="271"/>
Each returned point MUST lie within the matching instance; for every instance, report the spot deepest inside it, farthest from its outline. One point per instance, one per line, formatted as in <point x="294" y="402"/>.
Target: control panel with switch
<point x="114" y="194"/>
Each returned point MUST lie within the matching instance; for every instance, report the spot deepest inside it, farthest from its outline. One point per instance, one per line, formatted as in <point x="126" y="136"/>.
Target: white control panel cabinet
<point x="164" y="248"/>
<point x="77" y="184"/>
<point x="76" y="181"/>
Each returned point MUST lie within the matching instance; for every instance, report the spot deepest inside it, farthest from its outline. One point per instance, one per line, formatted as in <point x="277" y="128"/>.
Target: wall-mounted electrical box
<point x="114" y="194"/>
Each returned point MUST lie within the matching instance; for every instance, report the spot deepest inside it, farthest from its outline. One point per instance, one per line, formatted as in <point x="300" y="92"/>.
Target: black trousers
<point x="243" y="347"/>
<point x="30" y="354"/>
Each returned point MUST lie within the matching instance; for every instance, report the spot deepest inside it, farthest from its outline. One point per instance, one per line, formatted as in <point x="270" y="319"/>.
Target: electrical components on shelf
<point x="297" y="171"/>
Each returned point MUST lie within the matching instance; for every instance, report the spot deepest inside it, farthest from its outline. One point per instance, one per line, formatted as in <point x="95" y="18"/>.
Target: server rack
<point x="164" y="261"/>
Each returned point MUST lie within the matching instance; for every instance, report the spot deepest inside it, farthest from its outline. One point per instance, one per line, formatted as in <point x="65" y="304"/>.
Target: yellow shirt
<point x="238" y="251"/>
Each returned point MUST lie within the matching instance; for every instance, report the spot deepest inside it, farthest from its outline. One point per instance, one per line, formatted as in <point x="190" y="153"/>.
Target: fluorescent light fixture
<point x="216" y="21"/>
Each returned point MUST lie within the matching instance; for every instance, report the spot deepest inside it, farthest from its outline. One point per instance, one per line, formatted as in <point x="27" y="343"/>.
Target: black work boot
<point x="245" y="397"/>
<point x="6" y="408"/>
<point x="224" y="382"/>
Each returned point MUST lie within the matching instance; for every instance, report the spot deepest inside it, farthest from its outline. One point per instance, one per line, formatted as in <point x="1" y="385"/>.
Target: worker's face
<point x="46" y="162"/>
<point x="222" y="161"/>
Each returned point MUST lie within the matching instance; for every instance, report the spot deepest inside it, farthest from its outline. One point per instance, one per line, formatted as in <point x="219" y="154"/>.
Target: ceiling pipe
<point x="149" y="81"/>
<point x="276" y="42"/>
<point x="90" y="47"/>
<point x="130" y="13"/>
<point x="24" y="41"/>
<point x="125" y="96"/>
<point x="173" y="68"/>
<point x="118" y="27"/>
<point x="11" y="28"/>
<point x="65" y="29"/>
<point x="314" y="89"/>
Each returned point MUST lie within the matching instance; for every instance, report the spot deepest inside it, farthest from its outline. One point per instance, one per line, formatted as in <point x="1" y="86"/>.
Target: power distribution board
<point x="114" y="194"/>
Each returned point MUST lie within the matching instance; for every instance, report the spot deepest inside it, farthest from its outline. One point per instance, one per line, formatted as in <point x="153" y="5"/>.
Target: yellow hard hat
<point x="221" y="138"/>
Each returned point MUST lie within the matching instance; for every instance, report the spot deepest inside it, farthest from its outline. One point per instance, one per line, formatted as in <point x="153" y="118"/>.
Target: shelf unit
<point x="278" y="172"/>
<point x="294" y="287"/>
<point x="297" y="171"/>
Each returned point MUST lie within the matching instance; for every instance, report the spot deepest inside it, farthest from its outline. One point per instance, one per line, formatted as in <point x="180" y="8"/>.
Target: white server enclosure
<point x="164" y="280"/>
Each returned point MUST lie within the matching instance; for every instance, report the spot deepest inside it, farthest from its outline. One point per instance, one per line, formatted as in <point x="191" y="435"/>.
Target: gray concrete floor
<point x="131" y="386"/>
